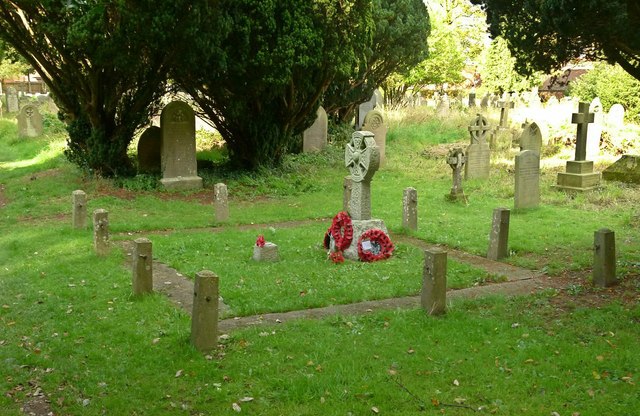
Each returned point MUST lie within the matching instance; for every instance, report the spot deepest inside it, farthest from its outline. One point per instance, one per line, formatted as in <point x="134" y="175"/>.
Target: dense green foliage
<point x="613" y="85"/>
<point x="11" y="63"/>
<point x="498" y="72"/>
<point x="105" y="63"/>
<point x="544" y="34"/>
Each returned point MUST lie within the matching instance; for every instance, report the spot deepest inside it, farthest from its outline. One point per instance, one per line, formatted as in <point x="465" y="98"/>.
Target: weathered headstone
<point x="531" y="138"/>
<point x="499" y="236"/>
<point x="365" y="107"/>
<point x="505" y="106"/>
<point x="204" y="316"/>
<point x="444" y="105"/>
<point x="478" y="154"/>
<point x="315" y="137"/>
<point x="472" y="99"/>
<point x="149" y="150"/>
<point x="221" y="202"/>
<point x="410" y="209"/>
<point x="484" y="103"/>
<point x="433" y="297"/>
<point x="12" y="100"/>
<point x="179" y="166"/>
<point x="580" y="175"/>
<point x="29" y="121"/>
<point x="142" y="267"/>
<point x="374" y="122"/>
<point x="456" y="160"/>
<point x="527" y="178"/>
<point x="604" y="258"/>
<point x="615" y="118"/>
<point x="268" y="252"/>
<point x="79" y="201"/>
<point x="346" y="193"/>
<point x="595" y="130"/>
<point x="625" y="169"/>
<point x="101" y="232"/>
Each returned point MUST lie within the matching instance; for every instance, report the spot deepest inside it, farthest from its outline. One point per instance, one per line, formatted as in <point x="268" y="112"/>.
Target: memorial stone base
<point x="359" y="227"/>
<point x="579" y="176"/>
<point x="182" y="183"/>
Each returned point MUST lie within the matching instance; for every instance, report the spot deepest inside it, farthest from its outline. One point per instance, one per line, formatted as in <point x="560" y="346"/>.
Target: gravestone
<point x="626" y="169"/>
<point x="29" y="121"/>
<point x="442" y="109"/>
<point x="362" y="159"/>
<point x="375" y="123"/>
<point x="142" y="267"/>
<point x="410" y="209"/>
<point x="268" y="252"/>
<point x="484" y="103"/>
<point x="504" y="106"/>
<point x="79" y="201"/>
<point x="615" y="118"/>
<point x="499" y="236"/>
<point x="472" y="99"/>
<point x="531" y="138"/>
<point x="367" y="106"/>
<point x="580" y="175"/>
<point x="204" y="315"/>
<point x="456" y="160"/>
<point x="12" y="100"/>
<point x="315" y="137"/>
<point x="478" y="154"/>
<point x="149" y="150"/>
<point x="604" y="258"/>
<point x="527" y="180"/>
<point x="595" y="130"/>
<point x="221" y="202"/>
<point x="433" y="296"/>
<point x="179" y="166"/>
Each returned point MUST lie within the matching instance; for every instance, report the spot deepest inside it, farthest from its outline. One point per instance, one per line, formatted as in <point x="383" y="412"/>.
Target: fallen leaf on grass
<point x="459" y="400"/>
<point x="456" y="383"/>
<point x="375" y="410"/>
<point x="178" y="373"/>
<point x="246" y="399"/>
<point x="236" y="407"/>
<point x="596" y="375"/>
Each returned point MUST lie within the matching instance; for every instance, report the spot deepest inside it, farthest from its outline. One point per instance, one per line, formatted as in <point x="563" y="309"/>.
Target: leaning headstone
<point x="484" y="103"/>
<point x="179" y="166"/>
<point x="12" y="100"/>
<point x="374" y="122"/>
<point x="433" y="297"/>
<point x="595" y="130"/>
<point x="365" y="107"/>
<point x="504" y="106"/>
<point x="456" y="160"/>
<point x="604" y="258"/>
<point x="625" y="169"/>
<point x="79" y="201"/>
<point x="615" y="118"/>
<point x="580" y="175"/>
<point x="149" y="150"/>
<point x="221" y="202"/>
<point x="527" y="178"/>
<point x="472" y="99"/>
<point x="29" y="121"/>
<point x="267" y="252"/>
<point x="410" y="209"/>
<point x="315" y="137"/>
<point x="142" y="267"/>
<point x="531" y="138"/>
<point x="204" y="315"/>
<point x="478" y="154"/>
<point x="346" y="193"/>
<point x="499" y="236"/>
<point x="101" y="232"/>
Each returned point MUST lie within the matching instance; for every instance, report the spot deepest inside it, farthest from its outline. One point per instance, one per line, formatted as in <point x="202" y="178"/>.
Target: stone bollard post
<point x="499" y="237"/>
<point x="79" y="209"/>
<point x="346" y="193"/>
<point x="410" y="209"/>
<point x="101" y="232"/>
<point x="604" y="258"/>
<point x="142" y="280"/>
<point x="204" y="317"/>
<point x="220" y="200"/>
<point x="434" y="282"/>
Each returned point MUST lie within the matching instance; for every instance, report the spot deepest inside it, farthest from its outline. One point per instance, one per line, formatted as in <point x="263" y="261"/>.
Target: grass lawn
<point x="70" y="327"/>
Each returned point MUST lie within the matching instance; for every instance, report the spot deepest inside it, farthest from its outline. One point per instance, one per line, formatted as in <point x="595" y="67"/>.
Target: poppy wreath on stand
<point x="374" y="245"/>
<point x="341" y="230"/>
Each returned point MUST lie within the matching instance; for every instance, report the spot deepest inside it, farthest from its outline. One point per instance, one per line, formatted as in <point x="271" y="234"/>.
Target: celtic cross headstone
<point x="456" y="160"/>
<point x="362" y="158"/>
<point x="478" y="154"/>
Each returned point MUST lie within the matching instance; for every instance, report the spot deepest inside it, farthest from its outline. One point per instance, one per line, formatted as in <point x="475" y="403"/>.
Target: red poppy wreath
<point x="374" y="245"/>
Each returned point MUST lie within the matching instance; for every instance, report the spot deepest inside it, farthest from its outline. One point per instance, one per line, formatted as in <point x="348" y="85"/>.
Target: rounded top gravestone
<point x="361" y="156"/>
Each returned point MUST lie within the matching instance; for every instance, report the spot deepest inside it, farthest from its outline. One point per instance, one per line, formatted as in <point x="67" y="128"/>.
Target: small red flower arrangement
<point x="336" y="257"/>
<point x="260" y="241"/>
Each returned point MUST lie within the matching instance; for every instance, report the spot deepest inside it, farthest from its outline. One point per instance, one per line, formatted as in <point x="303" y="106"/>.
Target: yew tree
<point x="545" y="34"/>
<point x="105" y="62"/>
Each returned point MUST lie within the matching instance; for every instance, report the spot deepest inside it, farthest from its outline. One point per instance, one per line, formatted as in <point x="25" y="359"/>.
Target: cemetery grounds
<point x="73" y="341"/>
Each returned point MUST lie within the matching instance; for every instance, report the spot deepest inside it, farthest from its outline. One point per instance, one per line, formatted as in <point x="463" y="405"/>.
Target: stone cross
<point x="362" y="158"/>
<point x="582" y="118"/>
<point x="479" y="129"/>
<point x="456" y="159"/>
<point x="504" y="107"/>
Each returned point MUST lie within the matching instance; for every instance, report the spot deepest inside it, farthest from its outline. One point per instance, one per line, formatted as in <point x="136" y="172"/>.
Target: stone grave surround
<point x="29" y="121"/>
<point x="580" y="175"/>
<point x="179" y="166"/>
<point x="374" y="122"/>
<point x="478" y="154"/>
<point x="362" y="158"/>
<point x="315" y="137"/>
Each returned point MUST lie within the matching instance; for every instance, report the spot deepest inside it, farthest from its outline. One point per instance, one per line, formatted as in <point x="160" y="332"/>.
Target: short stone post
<point x="101" y="232"/>
<point x="499" y="238"/>
<point x="79" y="209"/>
<point x="604" y="258"/>
<point x="434" y="282"/>
<point x="204" y="316"/>
<point x="346" y="193"/>
<point x="220" y="200"/>
<point x="142" y="280"/>
<point x="410" y="209"/>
